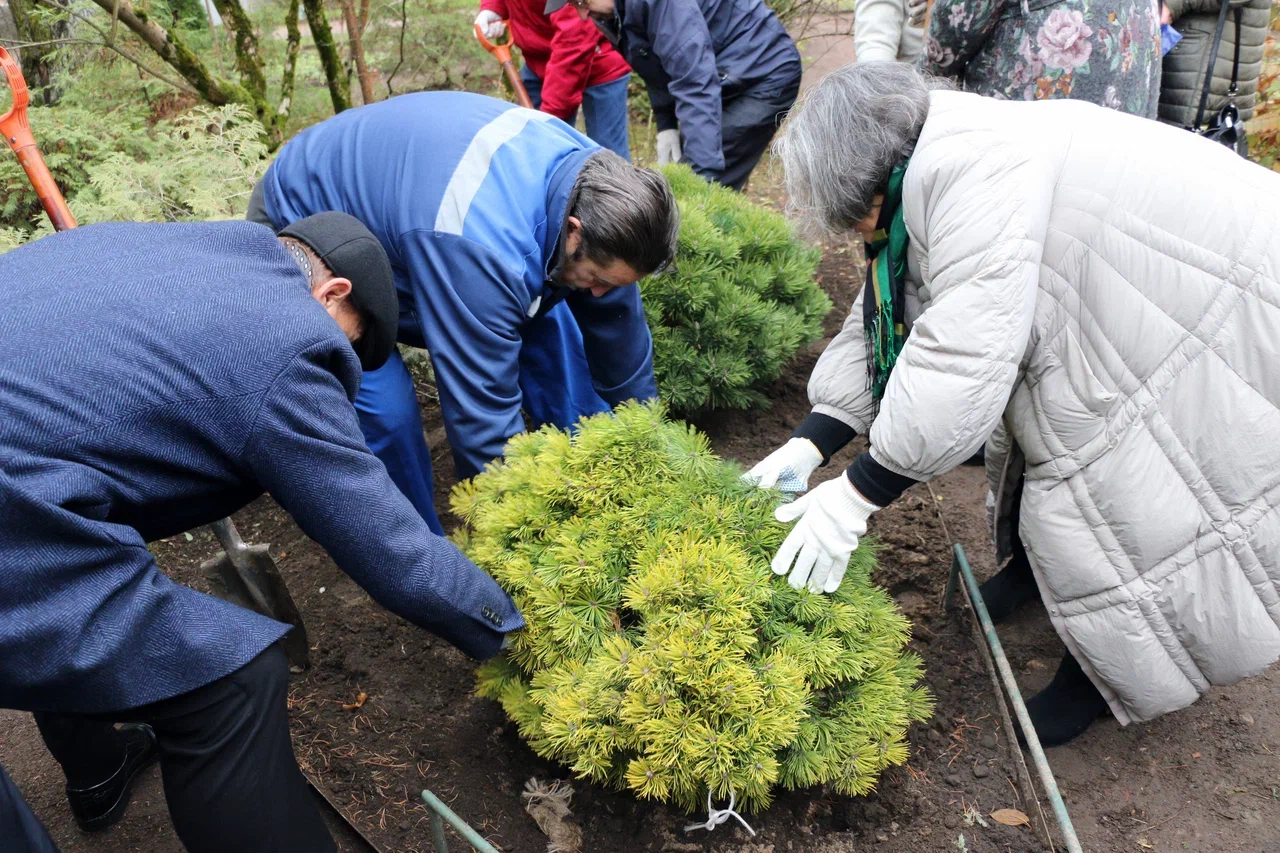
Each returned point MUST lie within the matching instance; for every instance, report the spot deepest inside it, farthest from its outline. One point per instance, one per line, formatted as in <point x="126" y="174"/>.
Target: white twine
<point x="715" y="817"/>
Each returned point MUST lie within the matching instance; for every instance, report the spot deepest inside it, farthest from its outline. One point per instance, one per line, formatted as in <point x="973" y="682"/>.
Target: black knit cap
<point x="350" y="251"/>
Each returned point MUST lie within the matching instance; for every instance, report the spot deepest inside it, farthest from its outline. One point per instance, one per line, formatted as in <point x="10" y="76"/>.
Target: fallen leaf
<point x="1145" y="844"/>
<point x="359" y="703"/>
<point x="1010" y="817"/>
<point x="1195" y="755"/>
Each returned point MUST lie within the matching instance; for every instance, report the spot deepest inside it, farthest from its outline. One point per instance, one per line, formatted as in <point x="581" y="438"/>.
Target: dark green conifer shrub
<point x="661" y="654"/>
<point x="740" y="303"/>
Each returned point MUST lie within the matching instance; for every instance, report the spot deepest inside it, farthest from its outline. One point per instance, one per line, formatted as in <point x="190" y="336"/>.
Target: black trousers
<point x="747" y="125"/>
<point x="20" y="830"/>
<point x="230" y="777"/>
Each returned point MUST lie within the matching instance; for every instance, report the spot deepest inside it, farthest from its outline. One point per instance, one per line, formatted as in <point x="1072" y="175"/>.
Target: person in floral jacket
<point x="1104" y="51"/>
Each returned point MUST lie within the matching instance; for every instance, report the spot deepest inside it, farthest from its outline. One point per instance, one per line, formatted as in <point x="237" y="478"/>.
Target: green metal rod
<point x="460" y="826"/>
<point x="961" y="562"/>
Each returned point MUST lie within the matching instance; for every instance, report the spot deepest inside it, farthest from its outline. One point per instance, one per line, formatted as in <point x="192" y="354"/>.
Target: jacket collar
<point x="559" y="191"/>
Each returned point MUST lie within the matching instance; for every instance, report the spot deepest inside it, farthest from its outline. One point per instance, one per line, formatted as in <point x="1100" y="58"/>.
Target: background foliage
<point x="201" y="165"/>
<point x="739" y="304"/>
<point x="661" y="654"/>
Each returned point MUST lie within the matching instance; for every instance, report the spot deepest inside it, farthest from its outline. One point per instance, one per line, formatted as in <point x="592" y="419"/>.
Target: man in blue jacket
<point x="720" y="75"/>
<point x="155" y="378"/>
<point x="19" y="828"/>
<point x="515" y="243"/>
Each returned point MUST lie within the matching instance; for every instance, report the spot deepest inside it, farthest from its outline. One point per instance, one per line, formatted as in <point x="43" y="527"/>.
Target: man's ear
<point x="572" y="236"/>
<point x="332" y="291"/>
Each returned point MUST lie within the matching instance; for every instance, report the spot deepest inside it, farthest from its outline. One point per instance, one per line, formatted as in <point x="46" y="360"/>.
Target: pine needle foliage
<point x="200" y="165"/>
<point x="661" y="654"/>
<point x="739" y="304"/>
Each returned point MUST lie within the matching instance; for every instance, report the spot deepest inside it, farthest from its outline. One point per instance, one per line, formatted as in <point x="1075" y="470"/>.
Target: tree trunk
<point x="328" y="50"/>
<point x="248" y="58"/>
<point x="170" y="47"/>
<point x="9" y="32"/>
<point x="36" y="62"/>
<point x="356" y="41"/>
<point x="287" y="79"/>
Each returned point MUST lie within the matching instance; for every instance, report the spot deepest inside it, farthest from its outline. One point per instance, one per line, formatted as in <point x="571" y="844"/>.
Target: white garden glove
<point x="916" y="10"/>
<point x="832" y="517"/>
<point x="788" y="468"/>
<point x="490" y="24"/>
<point x="668" y="147"/>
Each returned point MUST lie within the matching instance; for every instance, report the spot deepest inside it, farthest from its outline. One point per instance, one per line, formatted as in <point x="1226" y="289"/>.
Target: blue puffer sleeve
<point x="617" y="342"/>
<point x="471" y="308"/>
<point x="307" y="451"/>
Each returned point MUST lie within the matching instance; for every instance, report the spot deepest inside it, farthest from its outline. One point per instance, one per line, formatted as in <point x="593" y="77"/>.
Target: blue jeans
<point x="555" y="383"/>
<point x="605" y="108"/>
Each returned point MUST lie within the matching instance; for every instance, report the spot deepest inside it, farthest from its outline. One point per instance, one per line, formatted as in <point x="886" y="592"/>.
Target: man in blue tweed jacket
<point x="155" y="378"/>
<point x="515" y="243"/>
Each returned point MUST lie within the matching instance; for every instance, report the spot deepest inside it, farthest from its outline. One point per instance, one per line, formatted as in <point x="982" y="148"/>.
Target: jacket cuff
<point x="665" y="120"/>
<point x="875" y="482"/>
<point x="827" y="434"/>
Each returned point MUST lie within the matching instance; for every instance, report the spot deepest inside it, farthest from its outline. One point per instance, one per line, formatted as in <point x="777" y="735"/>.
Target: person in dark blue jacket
<point x="155" y="378"/>
<point x="720" y="75"/>
<point x="20" y="830"/>
<point x="515" y="243"/>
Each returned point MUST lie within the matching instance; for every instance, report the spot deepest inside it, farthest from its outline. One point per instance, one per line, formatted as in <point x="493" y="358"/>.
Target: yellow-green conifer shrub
<point x="661" y="654"/>
<point x="740" y="302"/>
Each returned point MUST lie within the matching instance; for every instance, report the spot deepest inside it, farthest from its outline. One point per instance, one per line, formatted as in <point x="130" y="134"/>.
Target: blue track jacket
<point x="693" y="54"/>
<point x="468" y="194"/>
<point x="155" y="378"/>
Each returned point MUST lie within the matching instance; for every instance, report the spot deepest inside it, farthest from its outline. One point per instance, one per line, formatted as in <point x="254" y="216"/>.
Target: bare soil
<point x="1205" y="779"/>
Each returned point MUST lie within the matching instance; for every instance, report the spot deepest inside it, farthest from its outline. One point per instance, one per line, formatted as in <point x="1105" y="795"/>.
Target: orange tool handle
<point x="503" y="54"/>
<point x="17" y="133"/>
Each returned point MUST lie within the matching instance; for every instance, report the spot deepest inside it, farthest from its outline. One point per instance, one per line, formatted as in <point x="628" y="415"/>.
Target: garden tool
<point x="248" y="571"/>
<point x="503" y="54"/>
<point x="17" y="132"/>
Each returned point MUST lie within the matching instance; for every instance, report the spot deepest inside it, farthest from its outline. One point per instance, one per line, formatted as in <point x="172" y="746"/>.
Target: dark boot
<point x="99" y="806"/>
<point x="978" y="459"/>
<point x="1011" y="587"/>
<point x="1066" y="708"/>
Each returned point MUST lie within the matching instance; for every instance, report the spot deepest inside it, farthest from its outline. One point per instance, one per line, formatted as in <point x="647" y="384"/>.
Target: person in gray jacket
<point x="888" y="30"/>
<point x="1186" y="65"/>
<point x="720" y="74"/>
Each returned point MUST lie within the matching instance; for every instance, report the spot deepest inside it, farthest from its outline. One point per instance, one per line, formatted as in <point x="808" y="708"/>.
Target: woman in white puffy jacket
<point x="888" y="29"/>
<point x="1036" y="271"/>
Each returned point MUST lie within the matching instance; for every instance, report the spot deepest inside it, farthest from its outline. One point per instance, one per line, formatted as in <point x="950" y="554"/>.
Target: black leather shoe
<point x="1010" y="588"/>
<point x="102" y="805"/>
<point x="1066" y="708"/>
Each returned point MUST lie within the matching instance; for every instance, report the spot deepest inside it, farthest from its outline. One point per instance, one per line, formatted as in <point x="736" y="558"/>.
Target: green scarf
<point x="884" y="293"/>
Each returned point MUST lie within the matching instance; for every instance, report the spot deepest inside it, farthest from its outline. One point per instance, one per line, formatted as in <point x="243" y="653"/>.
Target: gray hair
<point x="844" y="137"/>
<point x="627" y="213"/>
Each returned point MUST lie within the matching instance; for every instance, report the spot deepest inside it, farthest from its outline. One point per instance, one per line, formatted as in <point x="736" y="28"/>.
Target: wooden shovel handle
<point x="503" y="54"/>
<point x="17" y="133"/>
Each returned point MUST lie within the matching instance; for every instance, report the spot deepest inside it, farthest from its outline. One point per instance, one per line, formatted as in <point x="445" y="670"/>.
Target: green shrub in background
<point x="740" y="303"/>
<point x="661" y="654"/>
<point x="73" y="139"/>
<point x="201" y="165"/>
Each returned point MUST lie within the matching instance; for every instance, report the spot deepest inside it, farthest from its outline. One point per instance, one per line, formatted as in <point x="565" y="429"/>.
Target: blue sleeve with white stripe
<point x="617" y="342"/>
<point x="472" y="330"/>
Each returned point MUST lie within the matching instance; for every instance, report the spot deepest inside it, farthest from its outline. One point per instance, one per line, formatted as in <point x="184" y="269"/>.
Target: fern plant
<point x="739" y="304"/>
<point x="661" y="654"/>
<point x="201" y="165"/>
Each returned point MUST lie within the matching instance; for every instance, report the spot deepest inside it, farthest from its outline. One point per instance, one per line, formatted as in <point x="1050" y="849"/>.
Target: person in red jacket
<point x="567" y="63"/>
